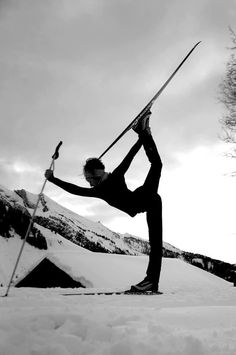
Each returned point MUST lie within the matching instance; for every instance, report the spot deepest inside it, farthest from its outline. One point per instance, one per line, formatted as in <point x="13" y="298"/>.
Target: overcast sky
<point x="80" y="70"/>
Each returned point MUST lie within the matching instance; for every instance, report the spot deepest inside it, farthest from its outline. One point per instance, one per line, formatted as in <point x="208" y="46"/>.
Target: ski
<point x="110" y="293"/>
<point x="150" y="103"/>
<point x="94" y="293"/>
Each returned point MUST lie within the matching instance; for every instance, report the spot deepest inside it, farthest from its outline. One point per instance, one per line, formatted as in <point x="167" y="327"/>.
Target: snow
<point x="198" y="261"/>
<point x="43" y="322"/>
<point x="196" y="315"/>
<point x="112" y="325"/>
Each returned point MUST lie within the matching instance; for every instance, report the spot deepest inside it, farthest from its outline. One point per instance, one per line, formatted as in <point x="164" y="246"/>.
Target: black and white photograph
<point x="117" y="177"/>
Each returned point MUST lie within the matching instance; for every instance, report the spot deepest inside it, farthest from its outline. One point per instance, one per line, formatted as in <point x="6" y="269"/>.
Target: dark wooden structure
<point x="47" y="274"/>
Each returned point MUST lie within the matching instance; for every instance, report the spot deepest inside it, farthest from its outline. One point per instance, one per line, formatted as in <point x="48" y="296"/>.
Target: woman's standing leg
<point x="151" y="202"/>
<point x="154" y="221"/>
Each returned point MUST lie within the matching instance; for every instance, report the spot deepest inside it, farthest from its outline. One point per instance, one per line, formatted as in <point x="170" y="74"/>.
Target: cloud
<point x="79" y="71"/>
<point x="16" y="174"/>
<point x="197" y="195"/>
<point x="66" y="76"/>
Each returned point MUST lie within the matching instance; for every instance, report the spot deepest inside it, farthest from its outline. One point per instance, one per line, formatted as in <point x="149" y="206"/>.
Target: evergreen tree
<point x="228" y="98"/>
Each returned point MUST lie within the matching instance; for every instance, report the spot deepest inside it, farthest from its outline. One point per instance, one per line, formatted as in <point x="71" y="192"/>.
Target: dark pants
<point x="148" y="200"/>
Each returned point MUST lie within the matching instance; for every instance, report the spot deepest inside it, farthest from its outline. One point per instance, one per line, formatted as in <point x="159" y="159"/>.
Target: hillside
<point x="52" y="222"/>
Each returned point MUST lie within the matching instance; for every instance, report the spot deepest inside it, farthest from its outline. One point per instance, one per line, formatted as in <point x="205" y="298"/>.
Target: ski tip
<point x="195" y="45"/>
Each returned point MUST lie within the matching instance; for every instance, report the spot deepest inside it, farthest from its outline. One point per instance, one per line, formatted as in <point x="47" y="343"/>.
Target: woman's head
<point x="94" y="170"/>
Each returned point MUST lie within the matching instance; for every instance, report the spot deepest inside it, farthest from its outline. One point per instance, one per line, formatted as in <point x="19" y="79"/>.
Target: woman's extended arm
<point x="125" y="164"/>
<point x="71" y="188"/>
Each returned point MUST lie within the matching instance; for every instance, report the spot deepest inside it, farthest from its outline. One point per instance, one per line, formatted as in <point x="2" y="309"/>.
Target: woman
<point x="112" y="188"/>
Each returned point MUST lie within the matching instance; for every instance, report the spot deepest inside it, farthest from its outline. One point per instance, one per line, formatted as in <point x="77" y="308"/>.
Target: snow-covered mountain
<point x="53" y="223"/>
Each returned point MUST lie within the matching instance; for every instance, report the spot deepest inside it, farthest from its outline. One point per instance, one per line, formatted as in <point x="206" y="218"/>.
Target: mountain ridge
<point x="15" y="213"/>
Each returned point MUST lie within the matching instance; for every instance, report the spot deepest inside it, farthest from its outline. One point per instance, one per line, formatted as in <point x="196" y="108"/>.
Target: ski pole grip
<point x="56" y="154"/>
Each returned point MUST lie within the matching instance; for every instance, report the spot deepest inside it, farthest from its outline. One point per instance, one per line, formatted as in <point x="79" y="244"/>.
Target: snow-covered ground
<point x="196" y="315"/>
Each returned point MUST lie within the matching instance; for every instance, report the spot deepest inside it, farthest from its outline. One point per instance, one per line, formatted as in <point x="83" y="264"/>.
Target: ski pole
<point x="151" y="102"/>
<point x="54" y="157"/>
